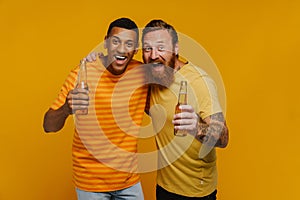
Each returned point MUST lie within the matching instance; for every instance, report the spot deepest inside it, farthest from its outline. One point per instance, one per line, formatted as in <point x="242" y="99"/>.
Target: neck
<point x="178" y="65"/>
<point x="109" y="67"/>
<point x="104" y="61"/>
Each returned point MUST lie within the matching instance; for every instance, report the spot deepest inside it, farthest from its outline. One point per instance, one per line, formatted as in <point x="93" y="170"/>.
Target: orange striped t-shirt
<point x="105" y="140"/>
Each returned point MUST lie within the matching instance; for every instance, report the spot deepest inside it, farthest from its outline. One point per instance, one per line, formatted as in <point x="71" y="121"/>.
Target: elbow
<point x="50" y="126"/>
<point x="48" y="129"/>
<point x="226" y="139"/>
<point x="223" y="145"/>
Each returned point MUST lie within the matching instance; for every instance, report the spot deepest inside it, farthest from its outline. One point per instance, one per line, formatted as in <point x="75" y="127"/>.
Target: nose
<point x="121" y="48"/>
<point x="154" y="54"/>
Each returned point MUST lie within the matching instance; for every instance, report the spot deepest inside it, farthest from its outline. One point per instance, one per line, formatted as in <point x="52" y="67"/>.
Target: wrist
<point x="201" y="130"/>
<point x="66" y="110"/>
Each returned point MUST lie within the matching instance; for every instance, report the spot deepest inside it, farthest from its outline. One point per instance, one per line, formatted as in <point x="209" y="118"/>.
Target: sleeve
<point x="207" y="102"/>
<point x="68" y="85"/>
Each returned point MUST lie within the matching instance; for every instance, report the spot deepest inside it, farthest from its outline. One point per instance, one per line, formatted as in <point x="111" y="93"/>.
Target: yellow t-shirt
<point x="181" y="171"/>
<point x="105" y="140"/>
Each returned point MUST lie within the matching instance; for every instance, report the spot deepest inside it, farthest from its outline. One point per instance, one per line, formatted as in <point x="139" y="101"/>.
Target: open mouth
<point x="120" y="57"/>
<point x="120" y="60"/>
<point x="157" y="66"/>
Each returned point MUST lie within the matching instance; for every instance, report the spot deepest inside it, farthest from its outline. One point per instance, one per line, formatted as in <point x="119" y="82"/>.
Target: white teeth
<point x="120" y="57"/>
<point x="156" y="63"/>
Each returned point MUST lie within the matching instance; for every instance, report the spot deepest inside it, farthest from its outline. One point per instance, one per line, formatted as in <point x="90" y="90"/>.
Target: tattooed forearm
<point x="213" y="131"/>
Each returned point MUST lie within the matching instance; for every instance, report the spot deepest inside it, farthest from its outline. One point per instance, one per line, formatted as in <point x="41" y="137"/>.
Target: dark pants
<point x="162" y="194"/>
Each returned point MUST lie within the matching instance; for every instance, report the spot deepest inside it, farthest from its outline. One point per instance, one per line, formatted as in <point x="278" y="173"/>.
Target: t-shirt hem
<point x="106" y="189"/>
<point x="188" y="195"/>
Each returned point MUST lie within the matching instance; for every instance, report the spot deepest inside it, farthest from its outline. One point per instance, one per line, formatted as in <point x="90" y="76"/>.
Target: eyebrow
<point x="158" y="42"/>
<point x="116" y="37"/>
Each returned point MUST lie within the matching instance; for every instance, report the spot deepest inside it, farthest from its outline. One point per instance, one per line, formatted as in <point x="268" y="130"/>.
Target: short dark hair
<point x="158" y="24"/>
<point x="123" y="23"/>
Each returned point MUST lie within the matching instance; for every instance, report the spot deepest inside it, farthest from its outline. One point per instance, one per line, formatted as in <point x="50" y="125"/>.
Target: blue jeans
<point x="132" y="193"/>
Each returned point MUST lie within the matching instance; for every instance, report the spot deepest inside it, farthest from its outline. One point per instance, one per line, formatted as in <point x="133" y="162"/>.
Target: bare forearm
<point x="223" y="140"/>
<point x="54" y="120"/>
<point x="213" y="131"/>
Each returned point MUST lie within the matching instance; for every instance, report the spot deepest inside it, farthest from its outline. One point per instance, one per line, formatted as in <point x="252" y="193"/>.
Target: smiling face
<point x="121" y="46"/>
<point x="160" y="53"/>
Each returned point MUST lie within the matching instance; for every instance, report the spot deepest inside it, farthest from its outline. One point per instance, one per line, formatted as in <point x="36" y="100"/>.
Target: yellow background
<point x="255" y="44"/>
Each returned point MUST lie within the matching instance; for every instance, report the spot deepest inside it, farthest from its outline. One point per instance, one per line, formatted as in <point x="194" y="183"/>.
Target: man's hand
<point x="92" y="56"/>
<point x="186" y="120"/>
<point x="211" y="131"/>
<point x="77" y="99"/>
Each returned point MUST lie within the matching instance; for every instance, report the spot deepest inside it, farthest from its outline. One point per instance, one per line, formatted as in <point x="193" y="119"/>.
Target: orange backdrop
<point x="254" y="43"/>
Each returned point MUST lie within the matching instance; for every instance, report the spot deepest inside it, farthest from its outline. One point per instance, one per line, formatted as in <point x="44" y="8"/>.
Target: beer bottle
<point x="82" y="83"/>
<point x="182" y="100"/>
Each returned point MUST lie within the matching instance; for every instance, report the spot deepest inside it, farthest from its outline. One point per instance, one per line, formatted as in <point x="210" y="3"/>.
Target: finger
<point x="80" y="97"/>
<point x="100" y="54"/>
<point x="184" y="127"/>
<point x="183" y="122"/>
<point x="74" y="98"/>
<point x="79" y="102"/>
<point x="74" y="91"/>
<point x="78" y="91"/>
<point x="78" y="107"/>
<point x="81" y="90"/>
<point x="88" y="58"/>
<point x="185" y="115"/>
<point x="186" y="108"/>
<point x="93" y="56"/>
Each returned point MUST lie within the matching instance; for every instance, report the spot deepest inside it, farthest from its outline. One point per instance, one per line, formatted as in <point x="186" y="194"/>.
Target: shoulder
<point x="196" y="70"/>
<point x="134" y="63"/>
<point x="135" y="66"/>
<point x="198" y="79"/>
<point x="195" y="73"/>
<point x="73" y="73"/>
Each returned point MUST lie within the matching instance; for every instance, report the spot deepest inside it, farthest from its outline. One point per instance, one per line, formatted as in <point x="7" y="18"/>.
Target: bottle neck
<point x="82" y="76"/>
<point x="182" y="99"/>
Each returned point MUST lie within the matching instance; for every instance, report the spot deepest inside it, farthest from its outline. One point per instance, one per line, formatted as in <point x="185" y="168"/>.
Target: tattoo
<point x="213" y="131"/>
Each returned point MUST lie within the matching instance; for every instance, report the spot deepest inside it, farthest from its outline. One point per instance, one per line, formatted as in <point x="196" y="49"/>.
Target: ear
<point x="105" y="42"/>
<point x="136" y="48"/>
<point x="176" y="48"/>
